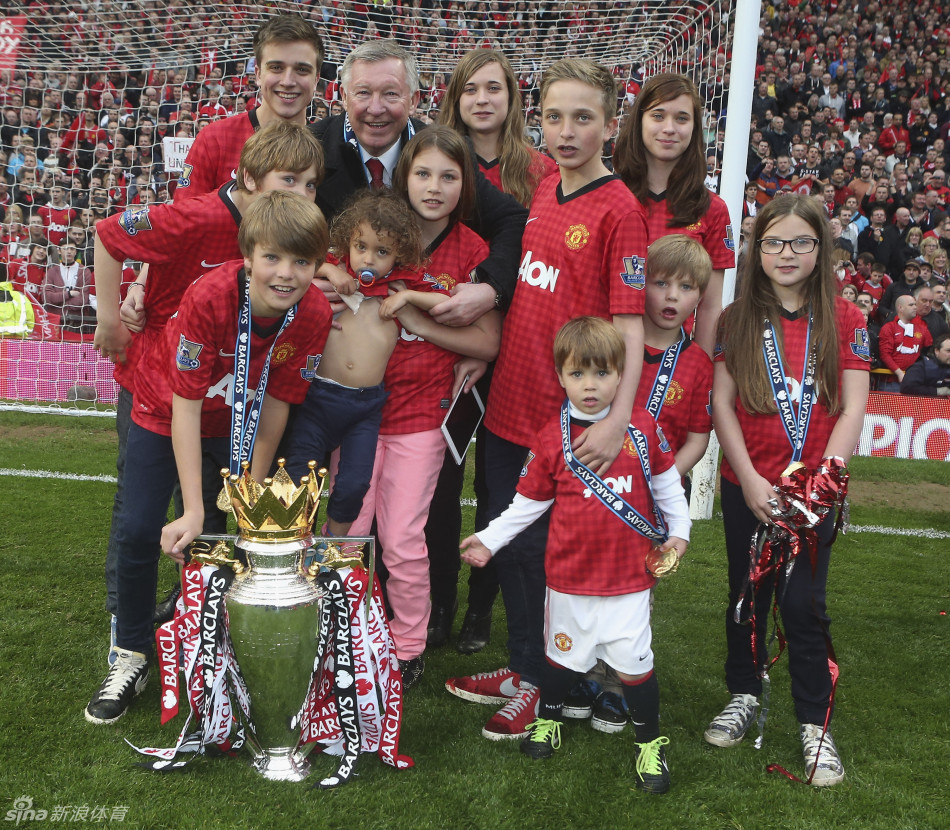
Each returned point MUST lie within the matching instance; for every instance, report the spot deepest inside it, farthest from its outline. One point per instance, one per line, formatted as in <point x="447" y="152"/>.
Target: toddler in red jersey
<point x="597" y="602"/>
<point x="220" y="385"/>
<point x="377" y="242"/>
<point x="675" y="387"/>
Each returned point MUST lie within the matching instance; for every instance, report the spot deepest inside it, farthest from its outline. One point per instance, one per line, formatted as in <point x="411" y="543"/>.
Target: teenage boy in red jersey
<point x="230" y="364"/>
<point x="288" y="54"/>
<point x="583" y="253"/>
<point x="183" y="241"/>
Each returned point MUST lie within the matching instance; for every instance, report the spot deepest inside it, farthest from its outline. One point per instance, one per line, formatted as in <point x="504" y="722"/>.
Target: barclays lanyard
<point x="795" y="428"/>
<point x="629" y="515"/>
<point x="664" y="377"/>
<point x="244" y="418"/>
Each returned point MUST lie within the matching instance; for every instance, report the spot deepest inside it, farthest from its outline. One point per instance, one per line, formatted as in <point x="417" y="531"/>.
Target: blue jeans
<point x="338" y="416"/>
<point x="150" y="477"/>
<point x="520" y="564"/>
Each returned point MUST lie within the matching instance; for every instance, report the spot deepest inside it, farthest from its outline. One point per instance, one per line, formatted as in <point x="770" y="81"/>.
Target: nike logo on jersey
<point x="223" y="353"/>
<point x="531" y="219"/>
<point x="210" y="264"/>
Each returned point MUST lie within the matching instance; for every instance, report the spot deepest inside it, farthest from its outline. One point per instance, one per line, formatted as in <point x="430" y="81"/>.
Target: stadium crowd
<point x="851" y="105"/>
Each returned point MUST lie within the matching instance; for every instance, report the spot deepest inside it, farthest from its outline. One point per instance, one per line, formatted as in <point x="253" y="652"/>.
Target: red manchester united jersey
<point x="901" y="345"/>
<point x="195" y="356"/>
<point x="419" y="374"/>
<point x="492" y="169"/>
<point x="610" y="561"/>
<point x="582" y="254"/>
<point x="713" y="231"/>
<point x="56" y="222"/>
<point x="765" y="438"/>
<point x="180" y="242"/>
<point x="213" y="158"/>
<point x="686" y="405"/>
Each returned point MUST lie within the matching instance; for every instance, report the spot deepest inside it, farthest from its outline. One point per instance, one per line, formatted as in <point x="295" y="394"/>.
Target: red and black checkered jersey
<point x="583" y="254"/>
<point x="765" y="439"/>
<point x="213" y="159"/>
<point x="419" y="375"/>
<point x="713" y="231"/>
<point x="900" y="350"/>
<point x="492" y="169"/>
<point x="610" y="560"/>
<point x="56" y="222"/>
<point x="687" y="406"/>
<point x="205" y="332"/>
<point x="180" y="242"/>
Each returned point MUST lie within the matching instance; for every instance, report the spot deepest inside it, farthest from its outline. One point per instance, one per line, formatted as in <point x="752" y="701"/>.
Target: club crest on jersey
<point x="528" y="460"/>
<point x="133" y="221"/>
<point x="576" y="237"/>
<point x="664" y="444"/>
<point x="184" y="180"/>
<point x="633" y="272"/>
<point x="283" y="353"/>
<point x="729" y="240"/>
<point x="628" y="446"/>
<point x="309" y="372"/>
<point x="861" y="345"/>
<point x="445" y="282"/>
<point x="696" y="226"/>
<point x="186" y="357"/>
<point x="562" y="642"/>
<point x="674" y="394"/>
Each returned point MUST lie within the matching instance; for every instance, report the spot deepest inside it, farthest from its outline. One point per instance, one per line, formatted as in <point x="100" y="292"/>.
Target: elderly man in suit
<point x="380" y="92"/>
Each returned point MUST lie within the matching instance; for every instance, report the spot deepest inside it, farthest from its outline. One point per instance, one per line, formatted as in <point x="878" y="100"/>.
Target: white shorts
<point x="579" y="630"/>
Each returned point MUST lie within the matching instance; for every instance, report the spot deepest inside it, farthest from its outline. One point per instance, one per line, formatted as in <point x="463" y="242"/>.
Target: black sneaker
<point x="165" y="609"/>
<point x="475" y="632"/>
<point x="579" y="702"/>
<point x="123" y="683"/>
<point x="609" y="715"/>
<point x="412" y="670"/>
<point x="653" y="775"/>
<point x="544" y="736"/>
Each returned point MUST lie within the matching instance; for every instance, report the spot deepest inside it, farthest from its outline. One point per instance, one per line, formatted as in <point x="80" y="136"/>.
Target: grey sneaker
<point x="125" y="680"/>
<point x="728" y="728"/>
<point x="825" y="761"/>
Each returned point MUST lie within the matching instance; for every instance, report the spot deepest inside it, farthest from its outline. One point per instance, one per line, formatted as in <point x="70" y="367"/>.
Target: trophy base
<point x="281" y="765"/>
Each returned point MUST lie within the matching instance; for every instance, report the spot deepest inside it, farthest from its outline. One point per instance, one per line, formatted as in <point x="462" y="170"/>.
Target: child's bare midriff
<point x="356" y="354"/>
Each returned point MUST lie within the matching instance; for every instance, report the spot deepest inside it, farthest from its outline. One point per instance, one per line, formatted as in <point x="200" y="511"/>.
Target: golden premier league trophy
<point x="278" y="654"/>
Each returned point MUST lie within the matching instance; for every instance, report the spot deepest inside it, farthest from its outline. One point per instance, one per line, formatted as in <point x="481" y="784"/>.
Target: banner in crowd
<point x="902" y="426"/>
<point x="11" y="33"/>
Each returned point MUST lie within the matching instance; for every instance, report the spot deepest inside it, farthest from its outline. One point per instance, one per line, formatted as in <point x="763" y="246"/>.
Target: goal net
<point x="155" y="73"/>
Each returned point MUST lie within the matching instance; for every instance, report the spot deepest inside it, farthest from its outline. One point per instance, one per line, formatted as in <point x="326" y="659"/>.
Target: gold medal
<point x="662" y="562"/>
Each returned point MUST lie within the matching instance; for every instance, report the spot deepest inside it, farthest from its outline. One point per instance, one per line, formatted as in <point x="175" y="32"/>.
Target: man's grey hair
<point x="374" y="51"/>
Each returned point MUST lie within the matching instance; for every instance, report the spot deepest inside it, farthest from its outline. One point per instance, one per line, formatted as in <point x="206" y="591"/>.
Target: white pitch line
<point x="925" y="533"/>
<point x="6" y="471"/>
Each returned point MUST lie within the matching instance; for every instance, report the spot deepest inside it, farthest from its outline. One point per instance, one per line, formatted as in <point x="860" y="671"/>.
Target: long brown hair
<point x="741" y="324"/>
<point x="452" y="146"/>
<point x="686" y="195"/>
<point x="520" y="169"/>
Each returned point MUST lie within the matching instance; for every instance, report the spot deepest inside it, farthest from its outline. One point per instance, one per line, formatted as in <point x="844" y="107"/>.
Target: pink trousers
<point x="404" y="478"/>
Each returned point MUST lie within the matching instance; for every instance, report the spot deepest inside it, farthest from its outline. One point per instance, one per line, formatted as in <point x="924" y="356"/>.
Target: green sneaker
<point x="544" y="736"/>
<point x="653" y="775"/>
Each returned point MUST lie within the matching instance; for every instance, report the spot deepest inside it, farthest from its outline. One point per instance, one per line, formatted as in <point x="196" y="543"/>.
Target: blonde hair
<point x="587" y="72"/>
<point x="589" y="341"/>
<point x="679" y="255"/>
<point x="288" y="222"/>
<point x="279" y="146"/>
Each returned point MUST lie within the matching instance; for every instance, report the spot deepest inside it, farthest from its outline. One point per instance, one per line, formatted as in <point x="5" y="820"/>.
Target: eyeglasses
<point x="799" y="245"/>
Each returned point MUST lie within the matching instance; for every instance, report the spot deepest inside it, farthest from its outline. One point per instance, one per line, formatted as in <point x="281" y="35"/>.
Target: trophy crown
<point x="277" y="509"/>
